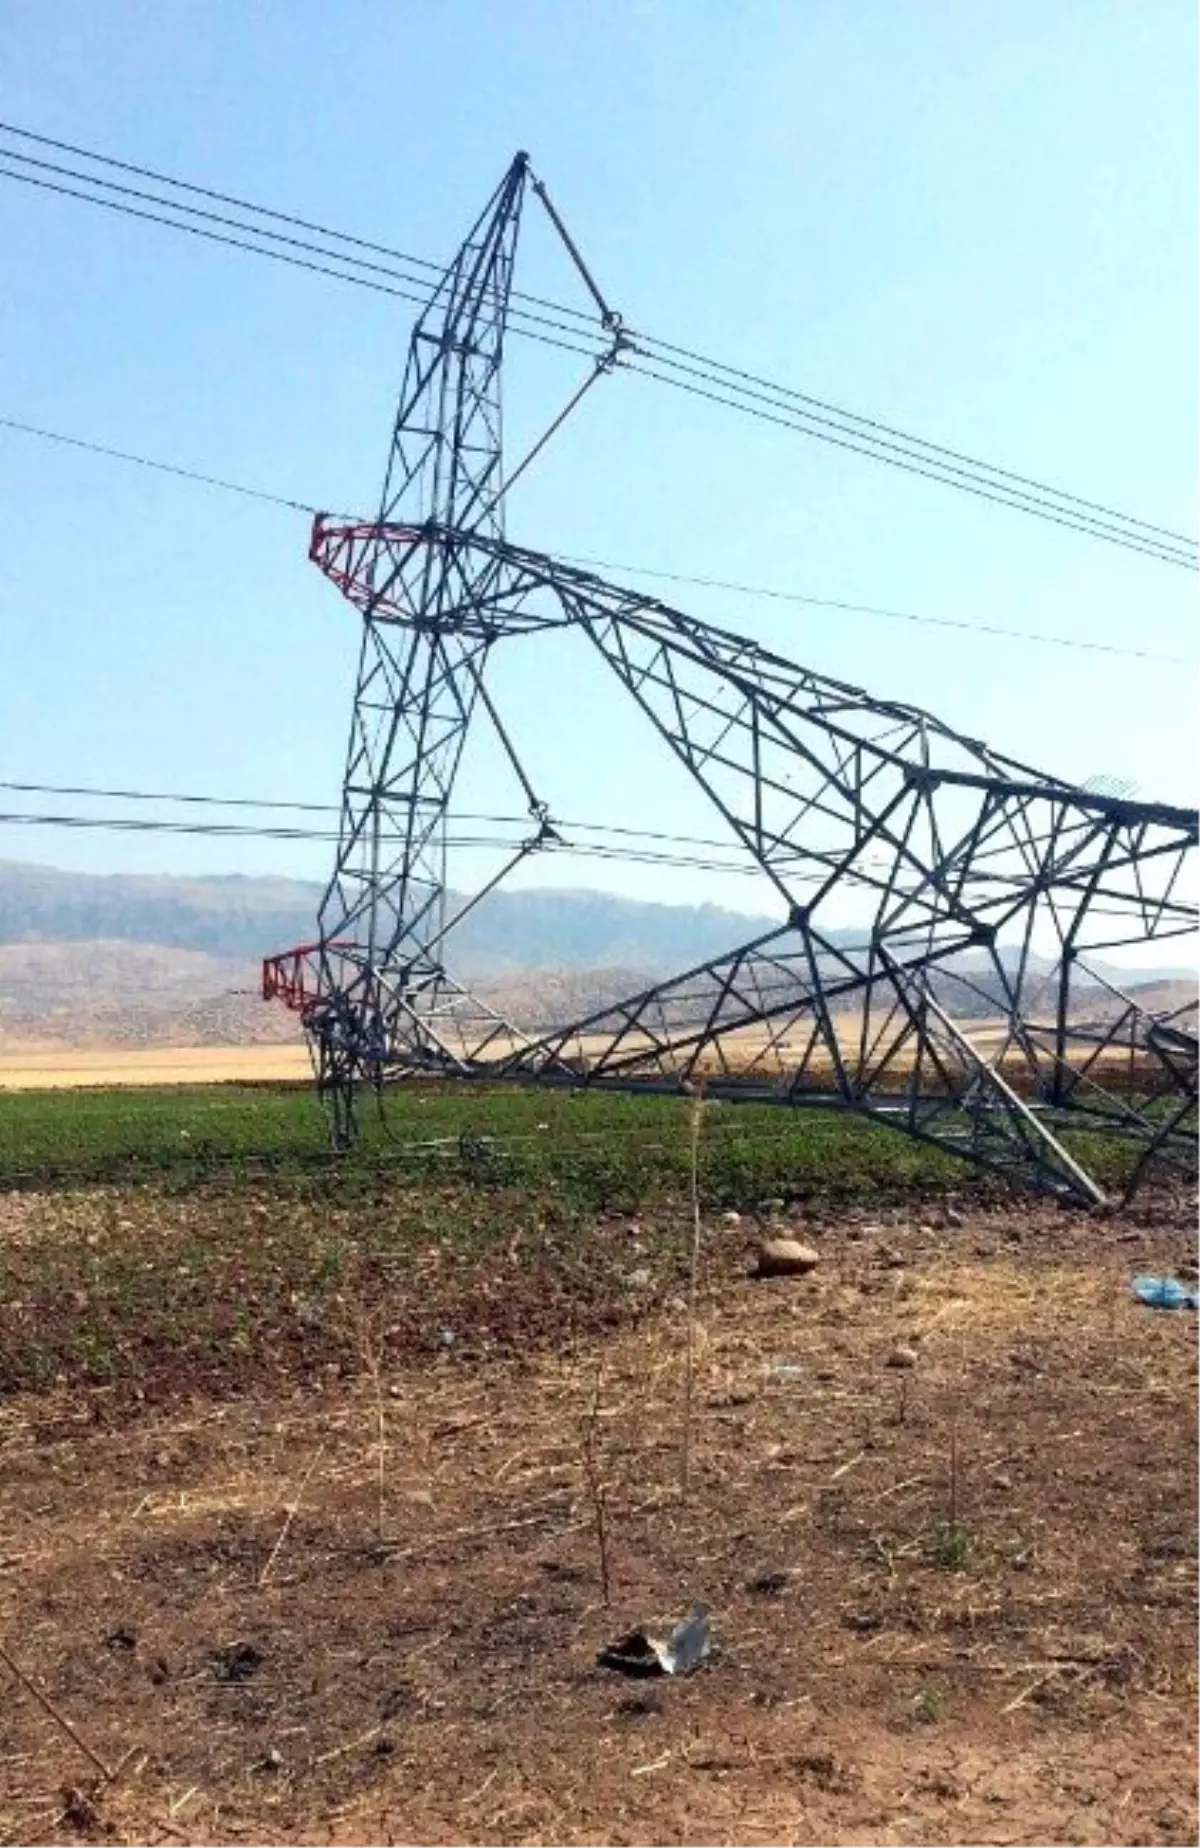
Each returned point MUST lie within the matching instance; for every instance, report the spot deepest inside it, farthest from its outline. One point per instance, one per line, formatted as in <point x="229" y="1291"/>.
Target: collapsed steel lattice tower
<point x="961" y="1006"/>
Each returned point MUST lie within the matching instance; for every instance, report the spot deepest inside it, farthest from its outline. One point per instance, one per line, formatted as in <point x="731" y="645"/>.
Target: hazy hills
<point x="245" y="918"/>
<point x="233" y="917"/>
<point x="133" y="960"/>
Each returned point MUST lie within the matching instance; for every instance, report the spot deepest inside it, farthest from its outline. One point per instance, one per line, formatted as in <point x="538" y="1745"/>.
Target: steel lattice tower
<point x="939" y="1012"/>
<point x="418" y="682"/>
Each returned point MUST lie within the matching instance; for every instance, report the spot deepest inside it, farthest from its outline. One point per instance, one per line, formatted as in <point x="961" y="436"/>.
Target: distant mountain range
<point x="230" y="917"/>
<point x="247" y="918"/>
<point x="133" y="960"/>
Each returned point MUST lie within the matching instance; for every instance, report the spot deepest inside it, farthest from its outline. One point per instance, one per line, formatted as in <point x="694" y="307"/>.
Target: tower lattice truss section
<point x="969" y="1005"/>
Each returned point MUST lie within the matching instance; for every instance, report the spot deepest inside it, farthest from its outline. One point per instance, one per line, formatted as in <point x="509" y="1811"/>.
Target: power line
<point x="163" y="468"/>
<point x="580" y="850"/>
<point x="130" y="824"/>
<point x="731" y="386"/>
<point x="598" y="851"/>
<point x="870" y="609"/>
<point x="1180" y="552"/>
<point x="135" y="824"/>
<point x="166" y="795"/>
<point x="677" y="577"/>
<point x="174" y="224"/>
<point x="409" y="294"/>
<point x="333" y="808"/>
<point x="854" y="435"/>
<point x="706" y="367"/>
<point x="265" y="211"/>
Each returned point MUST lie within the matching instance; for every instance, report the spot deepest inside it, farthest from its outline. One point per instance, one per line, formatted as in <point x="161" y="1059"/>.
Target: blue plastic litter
<point x="1164" y="1293"/>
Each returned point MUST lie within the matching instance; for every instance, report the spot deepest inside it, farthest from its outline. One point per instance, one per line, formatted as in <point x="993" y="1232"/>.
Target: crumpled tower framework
<point x="962" y="1007"/>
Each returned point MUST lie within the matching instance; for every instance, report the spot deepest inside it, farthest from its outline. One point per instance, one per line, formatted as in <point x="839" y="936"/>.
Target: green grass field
<point x="605" y="1146"/>
<point x="164" y="1238"/>
<point x="171" y="1237"/>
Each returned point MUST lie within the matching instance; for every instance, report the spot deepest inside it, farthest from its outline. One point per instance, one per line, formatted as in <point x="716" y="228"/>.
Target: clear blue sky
<point x="974" y="219"/>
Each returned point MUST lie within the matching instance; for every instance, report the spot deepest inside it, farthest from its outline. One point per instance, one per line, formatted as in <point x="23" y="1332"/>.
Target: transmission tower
<point x="970" y="1004"/>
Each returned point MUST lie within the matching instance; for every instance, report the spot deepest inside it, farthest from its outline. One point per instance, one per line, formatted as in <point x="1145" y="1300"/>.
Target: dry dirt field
<point x="64" y="1067"/>
<point x="952" y="1601"/>
<point x="33" y="1066"/>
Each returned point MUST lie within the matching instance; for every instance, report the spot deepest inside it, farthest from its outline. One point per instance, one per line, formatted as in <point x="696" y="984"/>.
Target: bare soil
<point x="953" y="1601"/>
<point x="29" y="1064"/>
<point x="45" y="1067"/>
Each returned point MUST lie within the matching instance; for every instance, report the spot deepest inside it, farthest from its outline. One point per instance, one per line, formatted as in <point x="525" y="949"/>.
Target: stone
<point x="786" y="1257"/>
<point x="731" y="1218"/>
<point x="638" y="1280"/>
<point x="902" y="1357"/>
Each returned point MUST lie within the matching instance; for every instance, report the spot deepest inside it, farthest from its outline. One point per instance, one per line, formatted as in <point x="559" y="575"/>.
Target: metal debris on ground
<point x="664" y="1650"/>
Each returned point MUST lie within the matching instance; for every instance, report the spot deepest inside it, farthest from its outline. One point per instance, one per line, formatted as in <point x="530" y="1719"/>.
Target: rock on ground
<point x="786" y="1257"/>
